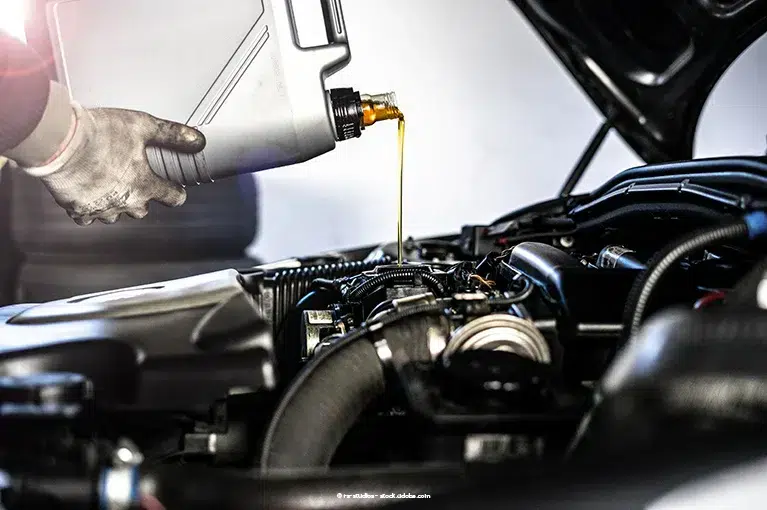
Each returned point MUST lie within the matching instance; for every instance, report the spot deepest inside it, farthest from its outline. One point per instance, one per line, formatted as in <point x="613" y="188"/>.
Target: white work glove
<point x="103" y="171"/>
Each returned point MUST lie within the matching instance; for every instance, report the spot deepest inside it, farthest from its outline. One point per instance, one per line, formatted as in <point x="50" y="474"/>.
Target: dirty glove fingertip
<point x="138" y="213"/>
<point x="177" y="137"/>
<point x="176" y="198"/>
<point x="169" y="193"/>
<point x="83" y="222"/>
<point x="109" y="219"/>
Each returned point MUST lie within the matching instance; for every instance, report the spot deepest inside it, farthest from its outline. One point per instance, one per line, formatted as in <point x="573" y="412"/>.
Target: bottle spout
<point x="379" y="107"/>
<point x="352" y="112"/>
<point x="388" y="99"/>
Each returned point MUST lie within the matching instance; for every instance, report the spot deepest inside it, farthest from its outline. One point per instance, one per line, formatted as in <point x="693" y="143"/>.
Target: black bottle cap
<point x="347" y="112"/>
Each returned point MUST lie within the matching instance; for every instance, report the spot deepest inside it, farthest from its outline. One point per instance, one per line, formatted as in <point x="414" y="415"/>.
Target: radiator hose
<point x="750" y="226"/>
<point x="328" y="396"/>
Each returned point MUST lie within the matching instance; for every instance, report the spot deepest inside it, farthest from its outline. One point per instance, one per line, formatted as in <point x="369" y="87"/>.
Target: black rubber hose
<point x="516" y="298"/>
<point x="406" y="274"/>
<point x="327" y="397"/>
<point x="322" y="413"/>
<point x="639" y="297"/>
<point x="683" y="368"/>
<point x="381" y="307"/>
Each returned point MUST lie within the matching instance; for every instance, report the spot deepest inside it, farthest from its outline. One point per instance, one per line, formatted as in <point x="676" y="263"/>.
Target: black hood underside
<point x="649" y="65"/>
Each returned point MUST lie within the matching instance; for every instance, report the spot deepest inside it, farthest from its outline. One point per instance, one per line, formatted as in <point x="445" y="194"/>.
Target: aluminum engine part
<point x="317" y="326"/>
<point x="501" y="332"/>
<point x="438" y="326"/>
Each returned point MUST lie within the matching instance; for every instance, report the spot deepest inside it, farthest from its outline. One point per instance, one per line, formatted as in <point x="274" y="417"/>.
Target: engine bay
<point x="589" y="351"/>
<point x="525" y="343"/>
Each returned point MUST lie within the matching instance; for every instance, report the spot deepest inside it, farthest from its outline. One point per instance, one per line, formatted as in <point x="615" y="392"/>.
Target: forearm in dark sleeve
<point x="24" y="90"/>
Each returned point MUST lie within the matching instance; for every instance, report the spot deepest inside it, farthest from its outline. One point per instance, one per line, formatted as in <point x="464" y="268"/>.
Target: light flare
<point x="13" y="14"/>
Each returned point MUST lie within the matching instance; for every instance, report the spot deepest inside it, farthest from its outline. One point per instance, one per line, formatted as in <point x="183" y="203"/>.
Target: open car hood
<point x="649" y="65"/>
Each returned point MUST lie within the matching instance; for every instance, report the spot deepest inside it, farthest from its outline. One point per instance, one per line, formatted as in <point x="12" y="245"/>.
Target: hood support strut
<point x="577" y="173"/>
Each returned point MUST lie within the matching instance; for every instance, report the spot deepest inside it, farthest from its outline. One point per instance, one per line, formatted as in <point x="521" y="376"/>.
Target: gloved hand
<point x="102" y="171"/>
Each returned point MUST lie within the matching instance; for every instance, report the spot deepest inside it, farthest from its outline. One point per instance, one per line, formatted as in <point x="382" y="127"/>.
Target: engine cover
<point x="172" y="334"/>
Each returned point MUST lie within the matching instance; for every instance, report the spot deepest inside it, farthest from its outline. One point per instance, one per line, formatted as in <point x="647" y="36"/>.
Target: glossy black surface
<point x="649" y="66"/>
<point x="687" y="375"/>
<point x="649" y="205"/>
<point x="544" y="265"/>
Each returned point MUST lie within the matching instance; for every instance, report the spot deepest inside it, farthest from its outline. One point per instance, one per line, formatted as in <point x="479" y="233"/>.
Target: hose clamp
<point x="385" y="356"/>
<point x="381" y="345"/>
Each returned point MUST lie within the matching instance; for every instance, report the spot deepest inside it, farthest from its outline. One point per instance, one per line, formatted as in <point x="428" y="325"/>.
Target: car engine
<point x="611" y="324"/>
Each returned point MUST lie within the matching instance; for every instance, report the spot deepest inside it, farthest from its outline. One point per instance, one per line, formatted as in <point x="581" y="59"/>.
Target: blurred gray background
<point x="494" y="123"/>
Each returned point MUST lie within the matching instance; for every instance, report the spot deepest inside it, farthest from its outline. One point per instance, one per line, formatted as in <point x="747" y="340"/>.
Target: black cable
<point x="406" y="274"/>
<point x="381" y="307"/>
<point x="514" y="298"/>
<point x="752" y="225"/>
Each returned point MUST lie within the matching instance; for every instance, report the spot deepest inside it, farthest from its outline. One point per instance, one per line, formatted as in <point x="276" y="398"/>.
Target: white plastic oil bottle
<point x="232" y="68"/>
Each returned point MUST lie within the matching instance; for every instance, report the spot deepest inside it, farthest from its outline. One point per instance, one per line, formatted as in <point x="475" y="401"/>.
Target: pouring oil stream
<point x="384" y="107"/>
<point x="401" y="144"/>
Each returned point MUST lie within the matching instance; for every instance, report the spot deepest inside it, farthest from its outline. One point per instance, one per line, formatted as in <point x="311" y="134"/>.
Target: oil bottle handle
<point x="334" y="21"/>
